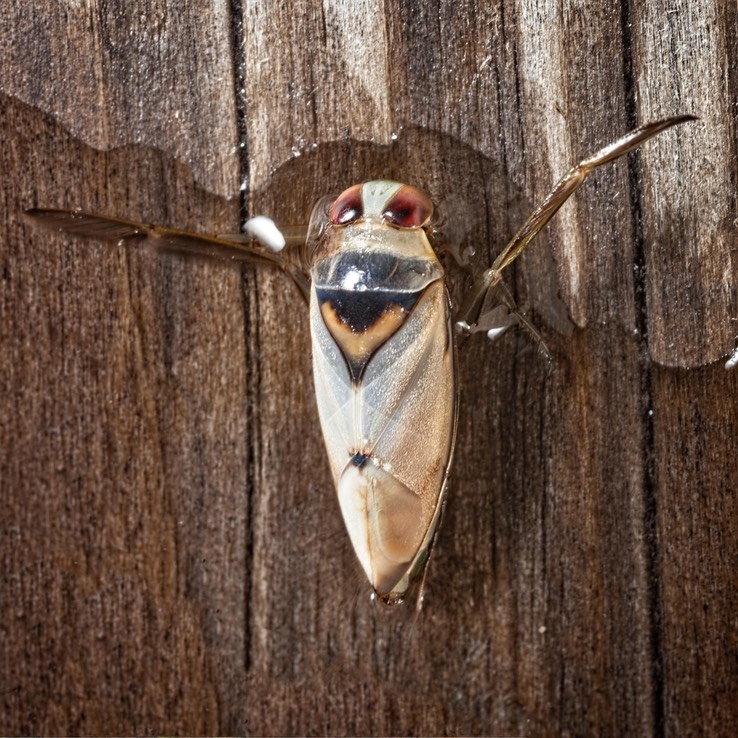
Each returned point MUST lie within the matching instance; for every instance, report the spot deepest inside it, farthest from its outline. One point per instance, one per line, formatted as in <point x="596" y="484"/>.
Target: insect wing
<point x="389" y="435"/>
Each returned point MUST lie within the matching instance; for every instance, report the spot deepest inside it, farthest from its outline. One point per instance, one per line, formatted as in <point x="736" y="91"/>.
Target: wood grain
<point x="172" y="557"/>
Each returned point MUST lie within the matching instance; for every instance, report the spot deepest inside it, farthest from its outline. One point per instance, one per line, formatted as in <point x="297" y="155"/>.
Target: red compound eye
<point x="347" y="207"/>
<point x="409" y="208"/>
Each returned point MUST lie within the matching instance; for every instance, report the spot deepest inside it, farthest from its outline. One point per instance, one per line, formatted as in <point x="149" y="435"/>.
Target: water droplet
<point x="732" y="362"/>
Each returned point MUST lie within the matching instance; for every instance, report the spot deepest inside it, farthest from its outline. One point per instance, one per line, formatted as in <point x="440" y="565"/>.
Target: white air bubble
<point x="732" y="362"/>
<point x="266" y="231"/>
<point x="494" y="333"/>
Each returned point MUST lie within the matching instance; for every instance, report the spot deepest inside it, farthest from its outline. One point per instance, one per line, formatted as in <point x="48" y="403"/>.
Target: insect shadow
<point x="382" y="326"/>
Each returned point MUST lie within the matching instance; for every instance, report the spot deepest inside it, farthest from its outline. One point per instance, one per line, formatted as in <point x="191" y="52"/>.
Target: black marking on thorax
<point x="360" y="311"/>
<point x="362" y="321"/>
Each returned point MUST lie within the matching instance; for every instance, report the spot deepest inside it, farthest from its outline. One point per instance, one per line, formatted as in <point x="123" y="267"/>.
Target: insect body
<point x="384" y="375"/>
<point x="383" y="346"/>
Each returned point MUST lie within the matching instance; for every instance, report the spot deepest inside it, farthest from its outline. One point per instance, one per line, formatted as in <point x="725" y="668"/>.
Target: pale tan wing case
<point x="399" y="416"/>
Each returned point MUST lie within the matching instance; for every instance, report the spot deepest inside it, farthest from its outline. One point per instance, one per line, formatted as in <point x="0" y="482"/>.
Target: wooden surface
<point x="172" y="557"/>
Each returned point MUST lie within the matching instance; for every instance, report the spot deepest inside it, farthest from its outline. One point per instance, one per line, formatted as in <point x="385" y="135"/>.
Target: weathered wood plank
<point x="697" y="466"/>
<point x="172" y="557"/>
<point x="687" y="54"/>
<point x="143" y="73"/>
<point x="123" y="379"/>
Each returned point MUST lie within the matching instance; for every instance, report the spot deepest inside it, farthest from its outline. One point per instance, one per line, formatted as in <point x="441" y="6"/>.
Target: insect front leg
<point x="488" y="285"/>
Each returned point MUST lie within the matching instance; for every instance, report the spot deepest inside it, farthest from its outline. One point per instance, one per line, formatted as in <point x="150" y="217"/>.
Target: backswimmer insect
<point x="384" y="337"/>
